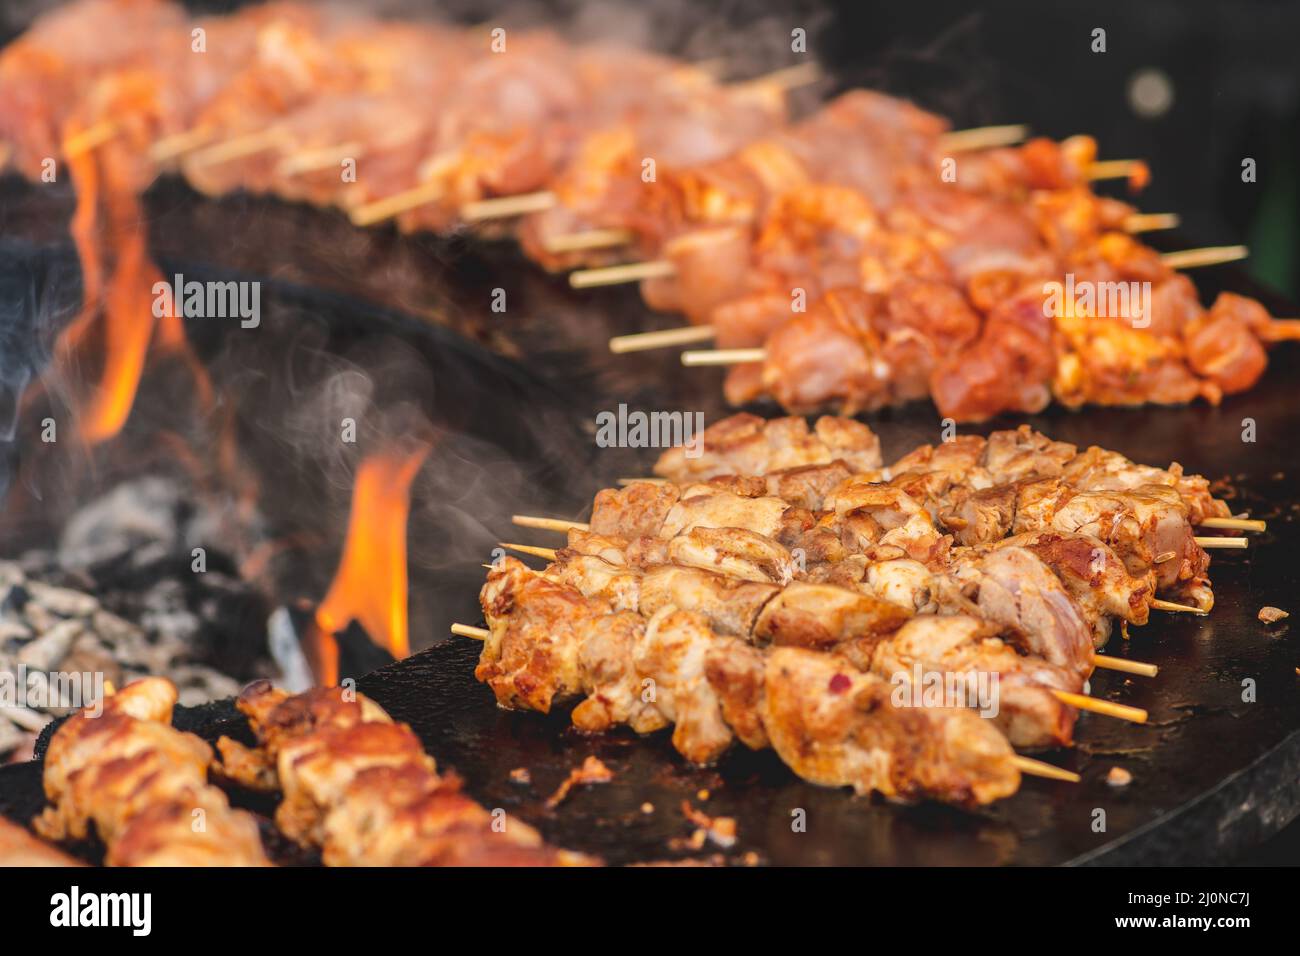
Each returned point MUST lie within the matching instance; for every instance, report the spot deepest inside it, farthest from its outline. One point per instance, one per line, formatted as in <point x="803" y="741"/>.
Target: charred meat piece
<point x="1012" y="588"/>
<point x="837" y="726"/>
<point x="361" y="788"/>
<point x="820" y="616"/>
<point x="19" y="848"/>
<point x="748" y="445"/>
<point x="970" y="650"/>
<point x="134" y="781"/>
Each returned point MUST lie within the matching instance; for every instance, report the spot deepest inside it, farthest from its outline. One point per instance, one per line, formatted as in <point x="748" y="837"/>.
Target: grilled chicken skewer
<point x="1055" y="592"/>
<point x="849" y="618"/>
<point x="361" y="788"/>
<point x="745" y="444"/>
<point x="130" y="778"/>
<point x="549" y="644"/>
<point x="826" y="514"/>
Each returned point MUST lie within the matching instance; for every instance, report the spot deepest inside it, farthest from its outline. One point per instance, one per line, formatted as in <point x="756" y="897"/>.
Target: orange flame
<point x="127" y="326"/>
<point x="370" y="585"/>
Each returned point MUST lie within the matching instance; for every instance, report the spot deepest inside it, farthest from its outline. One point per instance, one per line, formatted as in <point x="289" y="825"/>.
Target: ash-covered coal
<point x="139" y="583"/>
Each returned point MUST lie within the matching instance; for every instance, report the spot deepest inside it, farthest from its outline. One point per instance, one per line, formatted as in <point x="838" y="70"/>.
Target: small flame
<point x="370" y="585"/>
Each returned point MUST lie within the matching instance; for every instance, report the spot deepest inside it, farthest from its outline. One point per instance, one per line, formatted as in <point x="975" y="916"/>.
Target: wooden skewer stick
<point x="1157" y="604"/>
<point x="464" y="630"/>
<point x="1039" y="768"/>
<point x="690" y="334"/>
<point x="170" y="147"/>
<point x="723" y="356"/>
<point x="506" y="207"/>
<point x="1208" y="256"/>
<point x="1141" y="668"/>
<point x="548" y="524"/>
<point x="1151" y="221"/>
<point x="396" y="204"/>
<point x="322" y="157"/>
<point x="982" y="137"/>
<point x="624" y="482"/>
<point x="642" y="341"/>
<point x="1114" y="169"/>
<point x="661" y="268"/>
<point x="616" y="275"/>
<point x="1235" y="543"/>
<point x="547" y="553"/>
<point x="88" y="139"/>
<point x="1083" y="702"/>
<point x="788" y="78"/>
<point x="1282" y="330"/>
<point x="589" y="239"/>
<point x="249" y="144"/>
<point x="1235" y="524"/>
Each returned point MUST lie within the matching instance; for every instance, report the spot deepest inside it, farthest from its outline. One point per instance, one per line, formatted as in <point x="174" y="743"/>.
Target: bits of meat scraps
<point x="1119" y="777"/>
<point x="721" y="830"/>
<point x="521" y="776"/>
<point x="591" y="771"/>
<point x="1271" y="615"/>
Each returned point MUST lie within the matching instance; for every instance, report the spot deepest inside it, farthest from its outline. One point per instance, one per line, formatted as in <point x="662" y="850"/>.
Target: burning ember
<point x="370" y="585"/>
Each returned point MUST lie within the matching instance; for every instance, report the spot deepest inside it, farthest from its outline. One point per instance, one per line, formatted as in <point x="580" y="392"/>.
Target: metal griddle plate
<point x="1212" y="774"/>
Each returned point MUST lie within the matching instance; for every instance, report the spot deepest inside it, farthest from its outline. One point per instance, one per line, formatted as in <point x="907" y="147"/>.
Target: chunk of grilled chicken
<point x="610" y="657"/>
<point x="647" y="511"/>
<point x="821" y="616"/>
<point x="805" y="486"/>
<point x="971" y="649"/>
<point x="1100" y="470"/>
<point x="749" y="445"/>
<point x="360" y="786"/>
<point x="136" y="782"/>
<point x="401" y="816"/>
<point x="1014" y="589"/>
<point x="735" y="552"/>
<point x="1096" y="577"/>
<point x="703" y="507"/>
<point x="835" y="725"/>
<point x="872" y="518"/>
<point x="316" y="770"/>
<point x="673" y="653"/>
<point x="639" y="510"/>
<point x="731" y="606"/>
<point x="1148" y="527"/>
<point x="617" y="584"/>
<point x="531" y="657"/>
<point x="19" y="848"/>
<point x="1021" y="453"/>
<point x="164" y="834"/>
